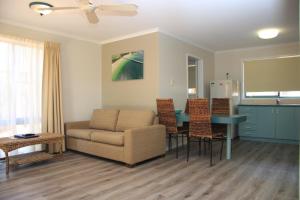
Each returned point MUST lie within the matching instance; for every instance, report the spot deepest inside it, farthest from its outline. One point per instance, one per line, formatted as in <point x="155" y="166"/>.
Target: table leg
<point x="7" y="163"/>
<point x="228" y="146"/>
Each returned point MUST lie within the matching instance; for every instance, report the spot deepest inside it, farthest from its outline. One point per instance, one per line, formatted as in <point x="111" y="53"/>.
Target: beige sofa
<point x="129" y="136"/>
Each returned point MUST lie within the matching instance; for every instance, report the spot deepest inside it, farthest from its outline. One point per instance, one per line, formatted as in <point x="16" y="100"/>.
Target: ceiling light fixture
<point x="40" y="7"/>
<point x="268" y="33"/>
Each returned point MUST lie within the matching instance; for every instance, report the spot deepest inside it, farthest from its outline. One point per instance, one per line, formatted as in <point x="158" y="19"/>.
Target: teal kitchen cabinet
<point x="298" y="123"/>
<point x="265" y="122"/>
<point x="286" y="123"/>
<point x="277" y="123"/>
<point x="248" y="128"/>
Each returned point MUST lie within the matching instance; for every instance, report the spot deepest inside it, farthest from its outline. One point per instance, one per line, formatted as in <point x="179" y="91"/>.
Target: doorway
<point x="195" y="88"/>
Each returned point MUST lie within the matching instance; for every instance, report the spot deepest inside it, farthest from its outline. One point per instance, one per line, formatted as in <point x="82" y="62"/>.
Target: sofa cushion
<point x="80" y="133"/>
<point x="104" y="119"/>
<point x="108" y="137"/>
<point x="129" y="119"/>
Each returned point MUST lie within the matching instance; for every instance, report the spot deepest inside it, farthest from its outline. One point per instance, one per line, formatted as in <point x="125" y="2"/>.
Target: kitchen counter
<point x="277" y="105"/>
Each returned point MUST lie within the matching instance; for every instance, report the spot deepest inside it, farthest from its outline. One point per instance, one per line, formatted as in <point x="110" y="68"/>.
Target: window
<point x="290" y="94"/>
<point x="261" y="94"/>
<point x="272" y="78"/>
<point x="21" y="64"/>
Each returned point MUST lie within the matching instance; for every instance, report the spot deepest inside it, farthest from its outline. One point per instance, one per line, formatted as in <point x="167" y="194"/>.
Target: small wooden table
<point x="8" y="144"/>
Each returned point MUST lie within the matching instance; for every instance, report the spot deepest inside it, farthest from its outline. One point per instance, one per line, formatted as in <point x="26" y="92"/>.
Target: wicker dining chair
<point x="200" y="126"/>
<point x="220" y="106"/>
<point x="167" y="117"/>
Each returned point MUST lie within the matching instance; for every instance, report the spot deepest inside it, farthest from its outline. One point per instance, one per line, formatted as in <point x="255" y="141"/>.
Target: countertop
<point x="272" y="105"/>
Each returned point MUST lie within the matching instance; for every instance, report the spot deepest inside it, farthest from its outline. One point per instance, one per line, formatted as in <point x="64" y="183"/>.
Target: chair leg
<point x="199" y="146"/>
<point x="182" y="140"/>
<point x="204" y="141"/>
<point x="221" y="152"/>
<point x="211" y="152"/>
<point x="188" y="148"/>
<point x="170" y="142"/>
<point x="176" y="145"/>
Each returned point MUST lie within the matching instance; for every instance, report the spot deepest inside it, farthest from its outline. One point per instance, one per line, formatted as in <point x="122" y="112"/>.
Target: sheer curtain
<point x="21" y="68"/>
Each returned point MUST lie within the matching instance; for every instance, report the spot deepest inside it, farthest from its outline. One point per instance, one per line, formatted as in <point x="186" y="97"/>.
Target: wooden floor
<point x="257" y="171"/>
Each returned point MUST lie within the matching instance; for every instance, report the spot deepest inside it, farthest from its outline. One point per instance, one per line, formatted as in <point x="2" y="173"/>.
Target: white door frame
<point x="200" y="75"/>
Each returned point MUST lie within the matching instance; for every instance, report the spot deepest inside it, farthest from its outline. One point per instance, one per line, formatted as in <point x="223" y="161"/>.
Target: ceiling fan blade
<point x="92" y="17"/>
<point x="59" y="8"/>
<point x="118" y="13"/>
<point x="117" y="7"/>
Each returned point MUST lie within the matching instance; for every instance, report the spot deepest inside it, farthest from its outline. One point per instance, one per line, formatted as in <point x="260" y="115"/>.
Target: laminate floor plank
<point x="257" y="171"/>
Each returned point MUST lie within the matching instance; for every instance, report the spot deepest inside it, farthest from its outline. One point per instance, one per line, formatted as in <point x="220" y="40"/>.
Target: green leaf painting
<point x="128" y="66"/>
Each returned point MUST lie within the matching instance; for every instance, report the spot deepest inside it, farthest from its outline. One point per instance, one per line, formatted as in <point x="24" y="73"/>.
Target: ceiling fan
<point x="89" y="9"/>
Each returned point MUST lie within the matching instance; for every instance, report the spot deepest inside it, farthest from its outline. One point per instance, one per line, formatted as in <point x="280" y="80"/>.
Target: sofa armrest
<point x="77" y="125"/>
<point x="144" y="143"/>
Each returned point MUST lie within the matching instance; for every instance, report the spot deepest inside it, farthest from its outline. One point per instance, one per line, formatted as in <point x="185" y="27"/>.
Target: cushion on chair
<point x="129" y="119"/>
<point x="104" y="119"/>
<point x="80" y="133"/>
<point x="108" y="137"/>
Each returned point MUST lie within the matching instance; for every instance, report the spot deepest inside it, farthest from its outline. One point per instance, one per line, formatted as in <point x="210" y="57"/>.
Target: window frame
<point x="272" y="97"/>
<point x="243" y="92"/>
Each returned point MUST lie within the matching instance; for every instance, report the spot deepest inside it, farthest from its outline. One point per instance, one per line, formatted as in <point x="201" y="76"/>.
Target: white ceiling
<point x="213" y="24"/>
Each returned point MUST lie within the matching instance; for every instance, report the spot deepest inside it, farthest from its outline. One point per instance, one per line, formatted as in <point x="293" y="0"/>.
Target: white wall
<point x="231" y="61"/>
<point x="81" y="74"/>
<point x="173" y="68"/>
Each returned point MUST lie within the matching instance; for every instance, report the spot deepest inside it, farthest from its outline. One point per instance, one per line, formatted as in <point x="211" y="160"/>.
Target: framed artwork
<point x="128" y="66"/>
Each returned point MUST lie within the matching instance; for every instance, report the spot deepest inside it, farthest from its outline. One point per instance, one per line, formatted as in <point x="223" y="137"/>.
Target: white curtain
<point x="21" y="68"/>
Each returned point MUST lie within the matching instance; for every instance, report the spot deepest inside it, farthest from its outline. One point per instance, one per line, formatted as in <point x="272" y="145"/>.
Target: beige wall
<point x="80" y="62"/>
<point x="231" y="61"/>
<point x="131" y="93"/>
<point x="173" y="68"/>
<point x="164" y="61"/>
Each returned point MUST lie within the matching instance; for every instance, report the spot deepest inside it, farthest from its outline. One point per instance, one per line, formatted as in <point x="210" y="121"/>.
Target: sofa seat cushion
<point x="129" y="119"/>
<point x="108" y="137"/>
<point x="80" y="133"/>
<point x="104" y="119"/>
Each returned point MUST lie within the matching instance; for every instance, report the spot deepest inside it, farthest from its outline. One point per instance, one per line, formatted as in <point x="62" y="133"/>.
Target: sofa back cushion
<point x="104" y="119"/>
<point x="129" y="119"/>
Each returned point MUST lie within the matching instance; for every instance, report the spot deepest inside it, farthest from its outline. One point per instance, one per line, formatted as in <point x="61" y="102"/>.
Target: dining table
<point x="229" y="120"/>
